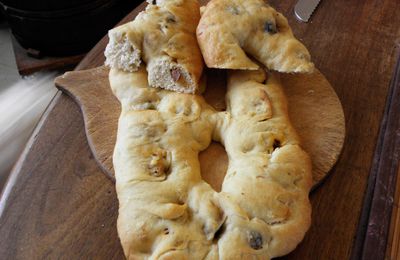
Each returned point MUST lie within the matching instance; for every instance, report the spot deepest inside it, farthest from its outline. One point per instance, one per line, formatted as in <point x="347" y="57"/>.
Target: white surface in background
<point x="22" y="102"/>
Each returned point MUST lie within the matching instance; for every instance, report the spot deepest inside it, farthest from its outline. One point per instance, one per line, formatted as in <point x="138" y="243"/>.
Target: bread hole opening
<point x="276" y="144"/>
<point x="213" y="165"/>
<point x="218" y="233"/>
<point x="216" y="89"/>
<point x="265" y="81"/>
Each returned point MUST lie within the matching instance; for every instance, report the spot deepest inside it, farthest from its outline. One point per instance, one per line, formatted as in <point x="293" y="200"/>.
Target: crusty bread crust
<point x="164" y="37"/>
<point x="231" y="31"/>
<point x="166" y="210"/>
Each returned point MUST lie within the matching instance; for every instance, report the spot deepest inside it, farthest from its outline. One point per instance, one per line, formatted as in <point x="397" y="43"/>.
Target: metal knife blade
<point x="304" y="9"/>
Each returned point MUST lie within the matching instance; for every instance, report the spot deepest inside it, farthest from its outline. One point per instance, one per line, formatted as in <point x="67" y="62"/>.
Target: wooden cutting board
<point x="314" y="110"/>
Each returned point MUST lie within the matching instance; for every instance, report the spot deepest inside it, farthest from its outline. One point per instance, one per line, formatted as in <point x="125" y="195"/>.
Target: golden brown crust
<point x="168" y="212"/>
<point x="164" y="37"/>
<point x="229" y="30"/>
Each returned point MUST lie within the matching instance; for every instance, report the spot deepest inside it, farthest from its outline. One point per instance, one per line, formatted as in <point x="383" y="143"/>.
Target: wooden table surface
<point x="59" y="205"/>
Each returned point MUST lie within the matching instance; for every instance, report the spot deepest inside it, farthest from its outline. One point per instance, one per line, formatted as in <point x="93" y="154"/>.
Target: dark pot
<point x="63" y="27"/>
<point x="45" y="5"/>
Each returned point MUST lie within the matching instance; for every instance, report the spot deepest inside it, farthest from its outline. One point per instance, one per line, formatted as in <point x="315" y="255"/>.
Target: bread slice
<point x="121" y="52"/>
<point x="231" y="32"/>
<point x="164" y="37"/>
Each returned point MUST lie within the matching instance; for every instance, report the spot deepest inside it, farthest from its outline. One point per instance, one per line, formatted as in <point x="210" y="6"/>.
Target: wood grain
<point x="100" y="109"/>
<point x="27" y="65"/>
<point x="383" y="176"/>
<point x="314" y="108"/>
<point x="58" y="204"/>
<point x="393" y="244"/>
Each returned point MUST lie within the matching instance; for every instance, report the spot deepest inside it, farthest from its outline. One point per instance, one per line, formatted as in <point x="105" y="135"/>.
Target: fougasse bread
<point x="166" y="209"/>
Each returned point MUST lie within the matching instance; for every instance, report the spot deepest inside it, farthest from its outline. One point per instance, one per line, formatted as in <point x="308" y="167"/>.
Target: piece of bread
<point x="269" y="175"/>
<point x="166" y="210"/>
<point x="232" y="32"/>
<point x="164" y="37"/>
